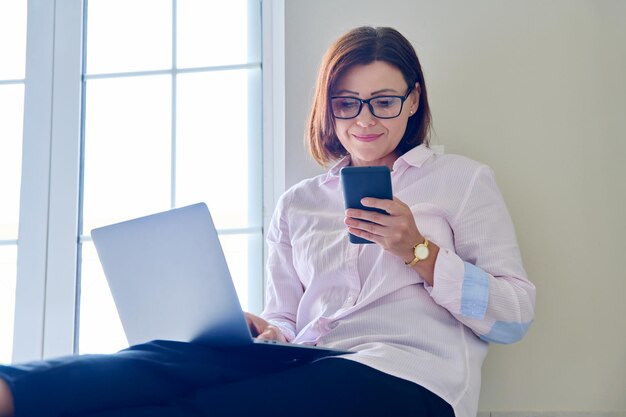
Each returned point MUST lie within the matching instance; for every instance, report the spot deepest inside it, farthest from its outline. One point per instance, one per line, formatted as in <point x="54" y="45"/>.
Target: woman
<point x="419" y="307"/>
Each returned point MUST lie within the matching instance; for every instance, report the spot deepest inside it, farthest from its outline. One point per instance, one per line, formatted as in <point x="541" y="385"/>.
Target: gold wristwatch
<point x="421" y="253"/>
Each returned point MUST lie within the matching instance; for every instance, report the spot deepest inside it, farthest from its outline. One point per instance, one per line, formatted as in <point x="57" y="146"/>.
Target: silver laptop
<point x="170" y="281"/>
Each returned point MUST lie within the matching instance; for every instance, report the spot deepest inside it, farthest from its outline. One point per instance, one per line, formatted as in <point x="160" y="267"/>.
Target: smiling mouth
<point x="367" y="138"/>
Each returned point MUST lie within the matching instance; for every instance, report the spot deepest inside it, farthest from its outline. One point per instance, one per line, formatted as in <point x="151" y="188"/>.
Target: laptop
<point x="170" y="281"/>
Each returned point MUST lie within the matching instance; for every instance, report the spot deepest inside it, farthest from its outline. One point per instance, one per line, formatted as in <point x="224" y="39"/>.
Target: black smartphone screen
<point x="359" y="182"/>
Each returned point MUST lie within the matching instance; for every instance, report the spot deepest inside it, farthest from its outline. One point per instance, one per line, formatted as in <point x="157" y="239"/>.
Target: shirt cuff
<point x="475" y="296"/>
<point x="448" y="280"/>
<point x="284" y="329"/>
<point x="460" y="287"/>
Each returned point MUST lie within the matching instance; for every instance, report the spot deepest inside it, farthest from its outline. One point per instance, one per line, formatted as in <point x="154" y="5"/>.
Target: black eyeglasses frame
<point x="367" y="101"/>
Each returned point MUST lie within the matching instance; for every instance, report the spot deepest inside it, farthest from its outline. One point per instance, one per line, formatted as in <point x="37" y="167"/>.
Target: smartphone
<point x="359" y="182"/>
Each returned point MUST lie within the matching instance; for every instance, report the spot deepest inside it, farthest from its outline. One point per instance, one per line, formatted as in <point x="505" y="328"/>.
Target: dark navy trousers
<point x="176" y="379"/>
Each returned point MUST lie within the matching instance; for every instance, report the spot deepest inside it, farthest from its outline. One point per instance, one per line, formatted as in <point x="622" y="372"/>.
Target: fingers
<point x="382" y="224"/>
<point x="396" y="231"/>
<point x="6" y="399"/>
<point x="256" y="324"/>
<point x="367" y="216"/>
<point x="261" y="329"/>
<point x="393" y="207"/>
<point x="272" y="333"/>
<point x="385" y="235"/>
<point x="367" y="235"/>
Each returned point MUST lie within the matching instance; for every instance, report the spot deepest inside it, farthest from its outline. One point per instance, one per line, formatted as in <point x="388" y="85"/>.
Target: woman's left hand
<point x="395" y="232"/>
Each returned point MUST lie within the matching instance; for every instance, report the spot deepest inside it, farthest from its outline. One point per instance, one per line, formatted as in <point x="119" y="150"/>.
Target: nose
<point x="365" y="118"/>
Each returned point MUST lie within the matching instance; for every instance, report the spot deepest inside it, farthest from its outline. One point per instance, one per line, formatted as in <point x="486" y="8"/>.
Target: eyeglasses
<point x="382" y="107"/>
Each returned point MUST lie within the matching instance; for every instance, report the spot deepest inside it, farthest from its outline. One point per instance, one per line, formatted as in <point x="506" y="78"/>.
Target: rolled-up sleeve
<point x="481" y="281"/>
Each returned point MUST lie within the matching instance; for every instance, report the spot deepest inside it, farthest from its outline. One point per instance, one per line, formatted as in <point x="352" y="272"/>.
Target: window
<point x="175" y="124"/>
<point x="13" y="53"/>
<point x="132" y="107"/>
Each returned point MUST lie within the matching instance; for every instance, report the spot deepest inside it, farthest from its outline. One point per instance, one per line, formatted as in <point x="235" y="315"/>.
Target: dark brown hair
<point x="362" y="46"/>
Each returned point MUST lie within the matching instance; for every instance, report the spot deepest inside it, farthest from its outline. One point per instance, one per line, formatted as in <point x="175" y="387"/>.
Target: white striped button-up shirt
<point x="323" y="290"/>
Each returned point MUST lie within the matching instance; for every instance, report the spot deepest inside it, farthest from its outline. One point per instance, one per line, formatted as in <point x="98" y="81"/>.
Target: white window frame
<point x="46" y="266"/>
<point x="273" y="105"/>
<point x="45" y="312"/>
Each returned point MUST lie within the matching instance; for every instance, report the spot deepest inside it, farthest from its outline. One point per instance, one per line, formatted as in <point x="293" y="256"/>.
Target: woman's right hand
<point x="261" y="329"/>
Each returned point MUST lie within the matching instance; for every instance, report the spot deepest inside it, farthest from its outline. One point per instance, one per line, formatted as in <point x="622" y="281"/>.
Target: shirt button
<point x="349" y="300"/>
<point x="333" y="325"/>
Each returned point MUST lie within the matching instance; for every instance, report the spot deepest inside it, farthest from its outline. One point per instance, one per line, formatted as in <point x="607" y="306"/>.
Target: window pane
<point x="128" y="35"/>
<point x="8" y="264"/>
<point x="127" y="149"/>
<point x="11" y="116"/>
<point x="236" y="250"/>
<point x="12" y="67"/>
<point x="209" y="37"/>
<point x="100" y="327"/>
<point x="212" y="144"/>
<point x="126" y="174"/>
<point x="12" y="39"/>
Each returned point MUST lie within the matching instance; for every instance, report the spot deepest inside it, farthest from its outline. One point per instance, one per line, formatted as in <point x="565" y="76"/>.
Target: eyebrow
<point x="373" y="93"/>
<point x="385" y="90"/>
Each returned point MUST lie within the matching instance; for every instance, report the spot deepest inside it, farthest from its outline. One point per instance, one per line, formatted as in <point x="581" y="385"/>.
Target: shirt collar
<point x="414" y="157"/>
<point x="333" y="172"/>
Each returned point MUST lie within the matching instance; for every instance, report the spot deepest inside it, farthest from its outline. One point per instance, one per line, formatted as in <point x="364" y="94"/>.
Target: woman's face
<point x="368" y="139"/>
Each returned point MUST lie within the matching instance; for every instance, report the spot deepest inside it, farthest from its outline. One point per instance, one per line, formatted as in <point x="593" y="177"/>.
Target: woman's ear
<point x="415" y="97"/>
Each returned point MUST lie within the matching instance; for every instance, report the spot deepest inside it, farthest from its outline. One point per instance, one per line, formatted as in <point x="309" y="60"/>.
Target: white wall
<point x="537" y="90"/>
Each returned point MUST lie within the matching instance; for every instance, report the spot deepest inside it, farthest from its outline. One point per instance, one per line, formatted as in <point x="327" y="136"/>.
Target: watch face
<point x="421" y="252"/>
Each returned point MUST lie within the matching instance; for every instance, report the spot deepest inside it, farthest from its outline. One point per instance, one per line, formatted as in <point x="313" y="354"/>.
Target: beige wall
<point x="537" y="90"/>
